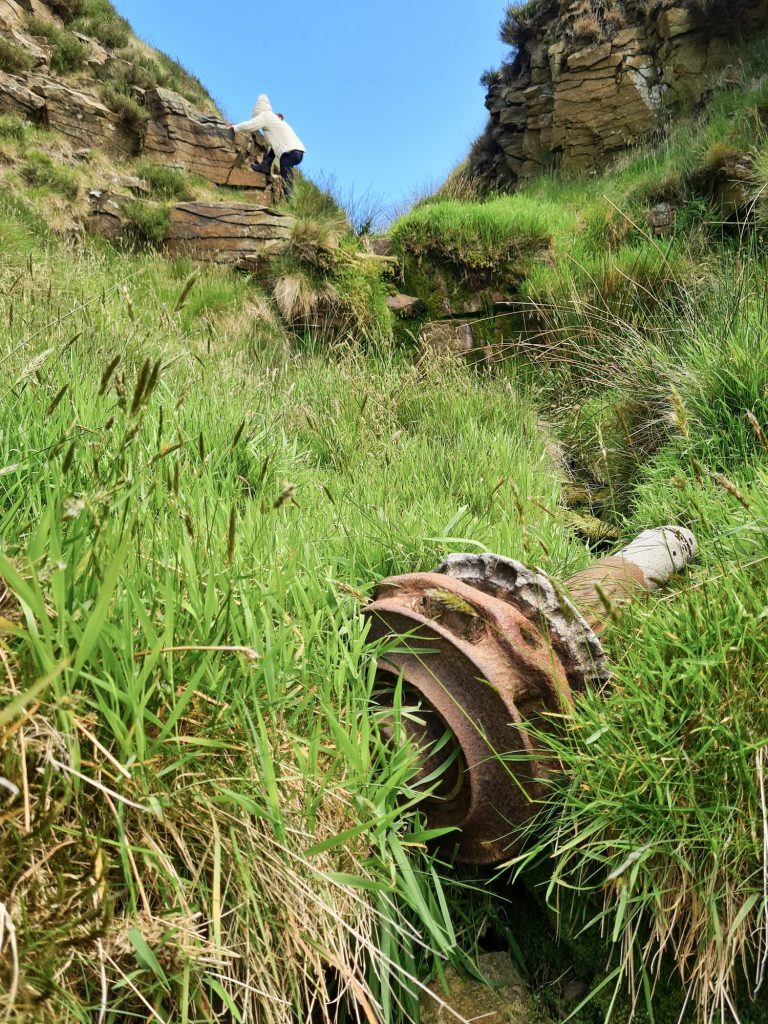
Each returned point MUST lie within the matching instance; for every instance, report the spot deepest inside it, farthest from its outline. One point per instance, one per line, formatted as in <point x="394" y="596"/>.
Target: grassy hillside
<point x="199" y="820"/>
<point x="139" y="65"/>
<point x="198" y="813"/>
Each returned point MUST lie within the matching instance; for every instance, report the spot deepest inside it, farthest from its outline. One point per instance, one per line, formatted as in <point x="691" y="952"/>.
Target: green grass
<point x="41" y="171"/>
<point x="165" y="182"/>
<point x="194" y="504"/>
<point x="99" y="19"/>
<point x="190" y="522"/>
<point x="14" y="59"/>
<point x="68" y="54"/>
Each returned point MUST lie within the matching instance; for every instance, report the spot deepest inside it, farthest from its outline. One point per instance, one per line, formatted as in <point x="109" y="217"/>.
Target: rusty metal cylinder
<point x="489" y="652"/>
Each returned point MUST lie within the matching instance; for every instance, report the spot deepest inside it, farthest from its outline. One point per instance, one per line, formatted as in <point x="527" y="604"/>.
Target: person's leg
<point x="265" y="165"/>
<point x="288" y="163"/>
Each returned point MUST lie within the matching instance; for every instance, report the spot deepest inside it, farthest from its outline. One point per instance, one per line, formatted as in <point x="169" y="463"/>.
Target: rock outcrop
<point x="236" y="234"/>
<point x="239" y="235"/>
<point x="82" y="120"/>
<point x="171" y="132"/>
<point x="180" y="136"/>
<point x="589" y="78"/>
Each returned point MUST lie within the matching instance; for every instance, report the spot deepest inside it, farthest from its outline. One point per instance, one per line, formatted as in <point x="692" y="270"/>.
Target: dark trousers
<point x="288" y="163"/>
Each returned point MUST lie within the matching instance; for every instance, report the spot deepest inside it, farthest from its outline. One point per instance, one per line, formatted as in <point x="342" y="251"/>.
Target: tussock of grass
<point x="165" y="182"/>
<point x="68" y="54"/>
<point x="41" y="171"/>
<point x="131" y="112"/>
<point x="149" y="222"/>
<point x="324" y="282"/>
<point x="14" y="59"/>
<point x="481" y="235"/>
<point x="14" y="129"/>
<point x="99" y="19"/>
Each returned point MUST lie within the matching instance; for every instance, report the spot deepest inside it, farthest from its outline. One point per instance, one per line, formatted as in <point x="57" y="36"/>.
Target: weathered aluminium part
<point x="647" y="563"/>
<point x="486" y="649"/>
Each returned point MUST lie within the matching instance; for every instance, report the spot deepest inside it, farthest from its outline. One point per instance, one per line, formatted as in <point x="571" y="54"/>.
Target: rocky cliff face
<point x="107" y="102"/>
<point x="591" y="77"/>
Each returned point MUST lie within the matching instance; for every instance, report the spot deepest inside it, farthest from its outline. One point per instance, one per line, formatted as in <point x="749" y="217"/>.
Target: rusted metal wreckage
<point x="486" y="649"/>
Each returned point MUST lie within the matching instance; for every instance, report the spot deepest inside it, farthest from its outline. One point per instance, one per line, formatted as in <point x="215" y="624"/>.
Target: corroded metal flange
<point x="488" y="651"/>
<point x="547" y="607"/>
<point x="480" y="670"/>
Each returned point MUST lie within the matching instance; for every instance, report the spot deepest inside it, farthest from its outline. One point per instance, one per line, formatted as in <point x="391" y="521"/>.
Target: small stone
<point x="381" y="246"/>
<point x="132" y="183"/>
<point x="403" y="305"/>
<point x="448" y="336"/>
<point x="575" y="991"/>
<point x="662" y="218"/>
<point x="507" y="1002"/>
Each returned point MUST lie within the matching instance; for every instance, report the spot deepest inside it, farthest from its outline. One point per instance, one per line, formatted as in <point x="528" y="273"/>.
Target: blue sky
<point x="385" y="95"/>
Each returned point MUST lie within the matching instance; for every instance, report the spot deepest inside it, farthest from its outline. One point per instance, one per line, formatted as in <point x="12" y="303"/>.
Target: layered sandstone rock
<point x="11" y="14"/>
<point x="582" y="88"/>
<point x="176" y="133"/>
<point x="234" y="234"/>
<point x="16" y="98"/>
<point x="83" y="120"/>
<point x="180" y="136"/>
<point x="109" y="215"/>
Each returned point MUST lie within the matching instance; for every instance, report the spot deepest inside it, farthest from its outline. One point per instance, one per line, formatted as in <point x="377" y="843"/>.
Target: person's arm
<point x="260" y="121"/>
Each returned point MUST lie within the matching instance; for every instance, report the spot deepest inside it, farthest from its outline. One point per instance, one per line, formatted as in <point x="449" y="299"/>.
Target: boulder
<point x="234" y="234"/>
<point x="403" y="305"/>
<point x="504" y="1000"/>
<point x="181" y="136"/>
<point x="107" y="216"/>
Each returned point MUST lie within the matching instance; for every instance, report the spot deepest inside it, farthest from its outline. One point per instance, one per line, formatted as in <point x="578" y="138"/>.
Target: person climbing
<point x="285" y="144"/>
